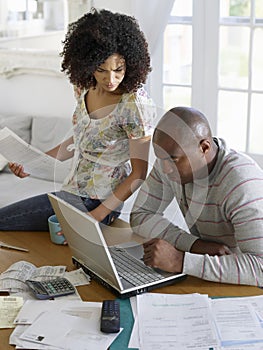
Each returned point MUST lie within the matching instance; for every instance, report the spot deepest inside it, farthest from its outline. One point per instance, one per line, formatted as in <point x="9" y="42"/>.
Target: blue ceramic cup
<point x="54" y="228"/>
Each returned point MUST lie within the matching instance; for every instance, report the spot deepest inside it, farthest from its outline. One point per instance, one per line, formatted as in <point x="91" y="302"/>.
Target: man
<point x="220" y="194"/>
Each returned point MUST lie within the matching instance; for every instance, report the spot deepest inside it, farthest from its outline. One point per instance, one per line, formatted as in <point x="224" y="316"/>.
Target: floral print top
<point x="101" y="157"/>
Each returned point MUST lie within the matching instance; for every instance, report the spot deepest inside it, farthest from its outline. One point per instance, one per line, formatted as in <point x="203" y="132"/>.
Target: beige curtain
<point x="152" y="16"/>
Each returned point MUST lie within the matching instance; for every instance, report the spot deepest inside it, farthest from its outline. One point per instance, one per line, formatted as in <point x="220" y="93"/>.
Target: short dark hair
<point x="183" y="123"/>
<point x="95" y="37"/>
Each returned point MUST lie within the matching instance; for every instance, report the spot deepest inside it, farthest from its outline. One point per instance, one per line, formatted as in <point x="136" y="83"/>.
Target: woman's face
<point x="110" y="73"/>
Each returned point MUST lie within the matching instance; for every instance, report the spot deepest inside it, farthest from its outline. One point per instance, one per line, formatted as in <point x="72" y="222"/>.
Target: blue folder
<point x="127" y="320"/>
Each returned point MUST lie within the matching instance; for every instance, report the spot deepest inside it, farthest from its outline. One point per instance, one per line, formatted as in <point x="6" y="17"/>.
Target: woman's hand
<point x="18" y="170"/>
<point x="60" y="233"/>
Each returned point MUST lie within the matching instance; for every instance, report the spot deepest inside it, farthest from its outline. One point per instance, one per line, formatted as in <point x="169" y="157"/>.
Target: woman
<point x="105" y="55"/>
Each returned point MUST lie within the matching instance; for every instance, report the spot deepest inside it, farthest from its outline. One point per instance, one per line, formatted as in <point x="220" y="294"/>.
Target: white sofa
<point x="37" y="103"/>
<point x="43" y="133"/>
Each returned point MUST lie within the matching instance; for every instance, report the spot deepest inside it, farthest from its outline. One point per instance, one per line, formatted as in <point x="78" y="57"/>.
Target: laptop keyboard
<point x="131" y="269"/>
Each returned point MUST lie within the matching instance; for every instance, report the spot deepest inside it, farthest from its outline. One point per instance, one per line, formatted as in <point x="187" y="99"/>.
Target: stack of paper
<point x="195" y="321"/>
<point x="239" y="321"/>
<point x="13" y="279"/>
<point x="60" y="324"/>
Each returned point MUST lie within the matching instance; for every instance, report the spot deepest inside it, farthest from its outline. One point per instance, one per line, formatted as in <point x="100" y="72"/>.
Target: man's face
<point x="180" y="165"/>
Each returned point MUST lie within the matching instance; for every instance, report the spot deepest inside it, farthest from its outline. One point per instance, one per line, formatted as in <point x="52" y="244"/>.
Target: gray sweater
<point x="225" y="207"/>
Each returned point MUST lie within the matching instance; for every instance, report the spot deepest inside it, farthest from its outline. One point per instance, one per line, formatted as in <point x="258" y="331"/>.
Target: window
<point x="19" y="18"/>
<point x="24" y="10"/>
<point x="212" y="60"/>
<point x="177" y="56"/>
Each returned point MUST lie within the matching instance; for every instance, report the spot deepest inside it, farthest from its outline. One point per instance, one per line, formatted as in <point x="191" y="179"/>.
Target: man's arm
<point x="210" y="248"/>
<point x="147" y="215"/>
<point x="161" y="254"/>
<point x="226" y="268"/>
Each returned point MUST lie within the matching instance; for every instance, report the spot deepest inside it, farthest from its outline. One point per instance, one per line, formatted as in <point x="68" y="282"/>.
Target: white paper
<point x="35" y="162"/>
<point x="70" y="332"/>
<point x="181" y="321"/>
<point x="9" y="308"/>
<point x="32" y="309"/>
<point x="13" y="279"/>
<point x="134" y="338"/>
<point x="236" y="321"/>
<point x="78" y="277"/>
<point x="22" y="344"/>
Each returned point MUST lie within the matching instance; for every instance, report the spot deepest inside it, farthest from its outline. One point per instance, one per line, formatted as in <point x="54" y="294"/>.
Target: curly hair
<point x="96" y="36"/>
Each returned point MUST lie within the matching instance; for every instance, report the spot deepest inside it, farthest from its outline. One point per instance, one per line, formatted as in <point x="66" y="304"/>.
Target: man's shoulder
<point x="234" y="163"/>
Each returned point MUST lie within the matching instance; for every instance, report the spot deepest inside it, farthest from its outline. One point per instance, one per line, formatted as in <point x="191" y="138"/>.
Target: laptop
<point x="105" y="263"/>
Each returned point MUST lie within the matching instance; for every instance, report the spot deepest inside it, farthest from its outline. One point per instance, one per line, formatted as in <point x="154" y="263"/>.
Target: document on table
<point x="194" y="321"/>
<point x="13" y="279"/>
<point x="183" y="321"/>
<point x="9" y="308"/>
<point x="239" y="320"/>
<point x="66" y="325"/>
<point x="35" y="162"/>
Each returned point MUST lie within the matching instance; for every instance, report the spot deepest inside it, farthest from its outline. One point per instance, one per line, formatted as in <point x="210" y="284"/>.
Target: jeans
<point x="32" y="214"/>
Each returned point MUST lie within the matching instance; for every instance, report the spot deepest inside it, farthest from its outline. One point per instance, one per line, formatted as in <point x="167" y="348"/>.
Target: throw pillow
<point x="21" y="125"/>
<point x="3" y="162"/>
<point x="48" y="132"/>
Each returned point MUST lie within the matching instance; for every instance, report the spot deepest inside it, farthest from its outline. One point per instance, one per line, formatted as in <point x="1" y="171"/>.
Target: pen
<point x="8" y="246"/>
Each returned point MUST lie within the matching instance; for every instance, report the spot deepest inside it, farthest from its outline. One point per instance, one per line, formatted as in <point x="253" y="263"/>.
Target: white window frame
<point x="205" y="87"/>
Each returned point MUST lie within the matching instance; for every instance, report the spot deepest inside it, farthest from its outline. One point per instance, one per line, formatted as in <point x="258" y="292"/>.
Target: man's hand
<point x="210" y="248"/>
<point x="18" y="170"/>
<point x="160" y="254"/>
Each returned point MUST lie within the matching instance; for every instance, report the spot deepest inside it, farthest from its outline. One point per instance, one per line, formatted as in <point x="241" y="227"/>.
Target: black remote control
<point x="110" y="316"/>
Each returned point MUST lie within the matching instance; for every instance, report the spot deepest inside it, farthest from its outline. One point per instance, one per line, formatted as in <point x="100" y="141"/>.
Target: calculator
<point x="51" y="289"/>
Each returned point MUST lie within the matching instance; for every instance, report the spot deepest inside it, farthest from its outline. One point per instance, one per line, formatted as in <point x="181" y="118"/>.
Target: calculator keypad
<point x="52" y="288"/>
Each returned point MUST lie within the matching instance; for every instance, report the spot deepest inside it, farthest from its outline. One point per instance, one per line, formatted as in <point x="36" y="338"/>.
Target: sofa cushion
<point x="47" y="132"/>
<point x="3" y="162"/>
<point x="21" y="125"/>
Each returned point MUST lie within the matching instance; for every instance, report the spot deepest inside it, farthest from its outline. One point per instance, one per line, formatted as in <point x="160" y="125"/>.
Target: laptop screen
<point x="85" y="239"/>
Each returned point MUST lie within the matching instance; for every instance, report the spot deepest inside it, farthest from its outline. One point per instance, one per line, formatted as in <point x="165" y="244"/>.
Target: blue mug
<point x="54" y="228"/>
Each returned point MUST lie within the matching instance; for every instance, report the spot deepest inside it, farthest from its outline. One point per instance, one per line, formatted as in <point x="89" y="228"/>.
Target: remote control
<point x="110" y="316"/>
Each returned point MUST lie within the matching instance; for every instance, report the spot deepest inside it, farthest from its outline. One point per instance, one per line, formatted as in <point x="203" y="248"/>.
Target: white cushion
<point x="21" y="125"/>
<point x="47" y="132"/>
<point x="3" y="162"/>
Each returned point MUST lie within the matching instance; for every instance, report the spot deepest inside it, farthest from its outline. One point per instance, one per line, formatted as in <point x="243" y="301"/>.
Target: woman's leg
<point x="30" y="214"/>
